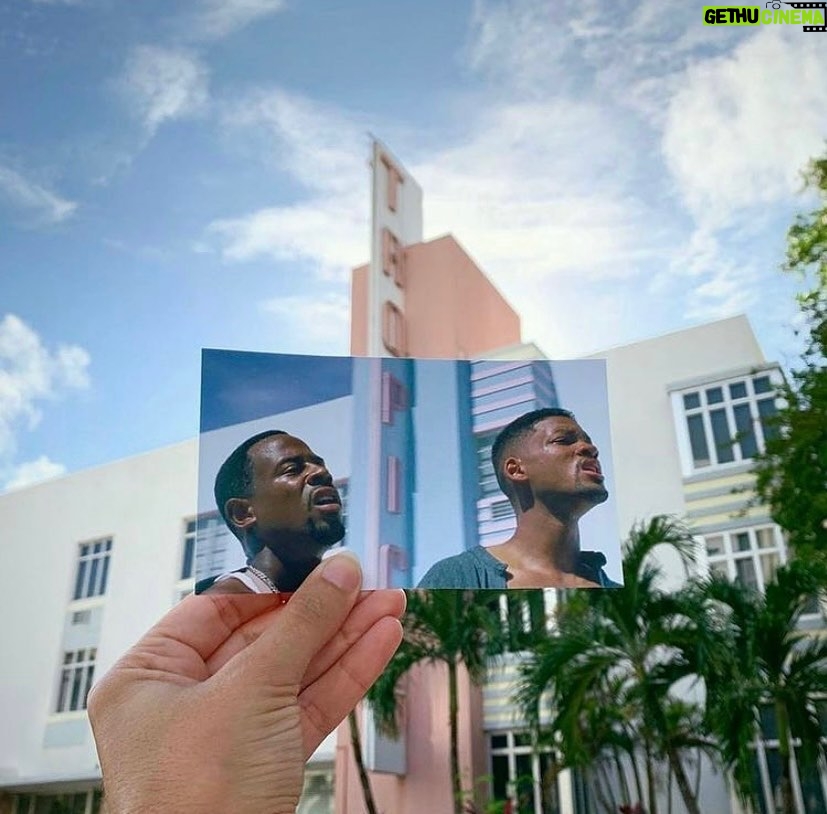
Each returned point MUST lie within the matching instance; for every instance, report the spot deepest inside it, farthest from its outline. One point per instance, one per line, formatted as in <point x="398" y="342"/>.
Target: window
<point x="317" y="794"/>
<point x="75" y="679"/>
<point x="82" y="617"/>
<point x="394" y="178"/>
<point x="502" y="510"/>
<point x="749" y="556"/>
<point x="729" y="422"/>
<point x="93" y="568"/>
<point x="393" y="257"/>
<point x="343" y="488"/>
<point x="810" y="782"/>
<point x="213" y="543"/>
<point x="394" y="484"/>
<point x="394" y="397"/>
<point x="83" y="802"/>
<point x="186" y="576"/>
<point x="393" y="329"/>
<point x="507" y="395"/>
<point x="522" y="774"/>
<point x="485" y="467"/>
<point x="188" y="556"/>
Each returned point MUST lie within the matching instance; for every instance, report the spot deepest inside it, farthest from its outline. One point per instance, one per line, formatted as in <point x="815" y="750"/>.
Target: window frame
<point x="511" y="751"/>
<point x="766" y="743"/>
<point x="731" y="555"/>
<point x="91" y="577"/>
<point x="76" y="671"/>
<point x="732" y="408"/>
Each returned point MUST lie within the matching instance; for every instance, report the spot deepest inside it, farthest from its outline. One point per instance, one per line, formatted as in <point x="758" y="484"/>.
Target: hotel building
<point x="96" y="580"/>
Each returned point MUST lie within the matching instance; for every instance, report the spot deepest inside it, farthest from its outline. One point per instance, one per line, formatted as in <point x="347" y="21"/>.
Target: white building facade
<point x="94" y="558"/>
<point x="92" y="561"/>
<point x="689" y="412"/>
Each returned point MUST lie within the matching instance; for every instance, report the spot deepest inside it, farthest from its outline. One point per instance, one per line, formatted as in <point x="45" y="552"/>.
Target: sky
<point x="175" y="176"/>
<point x="238" y="386"/>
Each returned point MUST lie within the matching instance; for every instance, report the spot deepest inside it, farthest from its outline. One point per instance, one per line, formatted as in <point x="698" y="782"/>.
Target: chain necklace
<point x="264" y="578"/>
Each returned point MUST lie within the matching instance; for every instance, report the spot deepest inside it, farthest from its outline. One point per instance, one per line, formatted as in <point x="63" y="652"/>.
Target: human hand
<point x="217" y="708"/>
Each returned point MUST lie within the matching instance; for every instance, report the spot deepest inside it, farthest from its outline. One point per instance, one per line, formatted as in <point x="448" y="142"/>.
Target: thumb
<point x="315" y="612"/>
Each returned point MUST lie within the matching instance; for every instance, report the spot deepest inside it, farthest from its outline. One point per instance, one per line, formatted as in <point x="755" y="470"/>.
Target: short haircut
<point x="516" y="431"/>
<point x="235" y="477"/>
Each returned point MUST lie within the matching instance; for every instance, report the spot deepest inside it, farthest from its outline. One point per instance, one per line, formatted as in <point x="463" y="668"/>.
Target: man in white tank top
<point x="277" y="497"/>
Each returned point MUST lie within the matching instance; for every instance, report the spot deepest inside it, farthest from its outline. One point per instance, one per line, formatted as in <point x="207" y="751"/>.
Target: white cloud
<point x="326" y="234"/>
<point x="32" y="472"/>
<point x="520" y="42"/>
<point x="712" y="277"/>
<point x="553" y="175"/>
<point x="320" y="324"/>
<point x="728" y="290"/>
<point x="540" y="188"/>
<point x="533" y="188"/>
<point x="602" y="48"/>
<point x="218" y="18"/>
<point x="540" y="191"/>
<point x="322" y="146"/>
<point x="163" y="84"/>
<point x="732" y="114"/>
<point x="324" y="150"/>
<point x="742" y="126"/>
<point x="30" y="374"/>
<point x="32" y="197"/>
<point x="567" y="319"/>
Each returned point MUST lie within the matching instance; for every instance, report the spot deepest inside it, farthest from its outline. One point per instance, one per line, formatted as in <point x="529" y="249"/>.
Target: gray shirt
<point x="477" y="568"/>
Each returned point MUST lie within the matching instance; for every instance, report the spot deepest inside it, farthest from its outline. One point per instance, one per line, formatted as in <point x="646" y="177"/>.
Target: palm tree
<point x="356" y="748"/>
<point x="620" y="653"/>
<point x="767" y="662"/>
<point x="451" y="627"/>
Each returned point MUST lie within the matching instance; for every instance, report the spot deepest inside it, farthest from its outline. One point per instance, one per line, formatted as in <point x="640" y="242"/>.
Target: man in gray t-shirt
<point x="547" y="466"/>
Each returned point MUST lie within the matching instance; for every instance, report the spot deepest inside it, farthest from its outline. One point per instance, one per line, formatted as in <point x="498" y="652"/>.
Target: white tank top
<point x="246" y="577"/>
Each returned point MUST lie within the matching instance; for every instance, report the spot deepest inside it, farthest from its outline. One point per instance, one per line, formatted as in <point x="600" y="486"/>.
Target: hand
<point x="217" y="708"/>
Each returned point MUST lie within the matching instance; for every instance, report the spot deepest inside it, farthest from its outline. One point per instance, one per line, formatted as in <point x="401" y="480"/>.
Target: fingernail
<point x="343" y="571"/>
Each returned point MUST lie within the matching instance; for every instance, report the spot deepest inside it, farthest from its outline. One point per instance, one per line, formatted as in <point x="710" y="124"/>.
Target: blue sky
<point x="194" y="174"/>
<point x="237" y="387"/>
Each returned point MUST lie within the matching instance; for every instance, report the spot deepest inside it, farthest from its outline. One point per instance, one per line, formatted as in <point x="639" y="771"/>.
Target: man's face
<point x="559" y="462"/>
<point x="294" y="502"/>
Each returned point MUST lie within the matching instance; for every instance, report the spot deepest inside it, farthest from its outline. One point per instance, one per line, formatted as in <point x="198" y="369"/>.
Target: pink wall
<point x="359" y="311"/>
<point x="452" y="310"/>
<point x="427" y="785"/>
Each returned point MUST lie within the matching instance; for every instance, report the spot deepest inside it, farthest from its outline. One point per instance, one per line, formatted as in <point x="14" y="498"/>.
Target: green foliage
<point x="791" y="476"/>
<point x="807" y="237"/>
<point x="440" y="626"/>
<point x="449" y="627"/>
<point x="616" y="674"/>
<point x="758" y="658"/>
<point x="609" y="674"/>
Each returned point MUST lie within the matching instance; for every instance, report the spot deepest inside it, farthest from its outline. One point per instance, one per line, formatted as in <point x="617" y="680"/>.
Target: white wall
<point x="141" y="503"/>
<point x="647" y="467"/>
